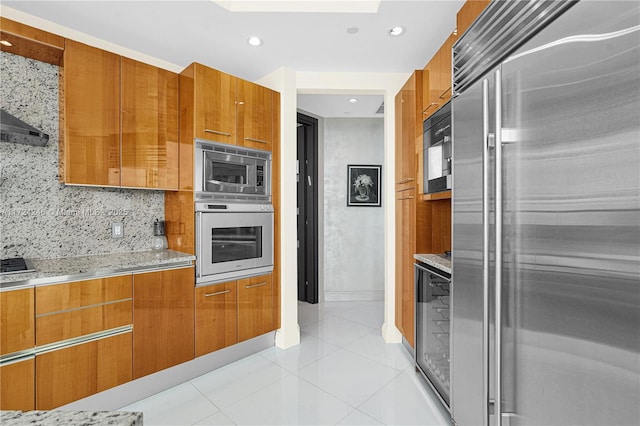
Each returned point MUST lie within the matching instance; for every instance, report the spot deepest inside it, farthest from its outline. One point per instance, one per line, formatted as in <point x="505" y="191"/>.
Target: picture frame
<point x="363" y="185"/>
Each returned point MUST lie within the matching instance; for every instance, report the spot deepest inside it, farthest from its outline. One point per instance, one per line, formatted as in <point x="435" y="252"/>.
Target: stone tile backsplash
<point x="41" y="218"/>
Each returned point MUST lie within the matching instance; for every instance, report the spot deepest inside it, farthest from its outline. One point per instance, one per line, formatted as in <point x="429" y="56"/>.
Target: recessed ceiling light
<point x="254" y="41"/>
<point x="353" y="100"/>
<point x="396" y="31"/>
<point x="6" y="43"/>
<point x="353" y="30"/>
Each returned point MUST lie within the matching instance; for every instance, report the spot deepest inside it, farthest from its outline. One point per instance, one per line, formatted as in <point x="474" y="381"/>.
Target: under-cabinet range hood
<point x="14" y="130"/>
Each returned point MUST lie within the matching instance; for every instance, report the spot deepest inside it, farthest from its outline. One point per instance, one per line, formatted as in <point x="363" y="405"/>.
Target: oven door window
<point x="218" y="172"/>
<point x="236" y="243"/>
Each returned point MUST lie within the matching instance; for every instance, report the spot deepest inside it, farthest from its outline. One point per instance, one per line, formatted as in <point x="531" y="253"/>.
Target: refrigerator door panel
<point x="469" y="363"/>
<point x="571" y="212"/>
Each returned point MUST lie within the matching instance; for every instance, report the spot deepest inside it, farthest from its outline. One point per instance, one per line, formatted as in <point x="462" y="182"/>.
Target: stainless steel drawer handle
<point x="406" y="198"/>
<point x="406" y="180"/>
<point x="256" y="285"/>
<point x="216" y="132"/>
<point x="255" y="140"/>
<point x="217" y="293"/>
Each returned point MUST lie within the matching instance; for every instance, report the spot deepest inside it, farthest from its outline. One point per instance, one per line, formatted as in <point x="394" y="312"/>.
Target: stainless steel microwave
<point x="437" y="151"/>
<point x="232" y="173"/>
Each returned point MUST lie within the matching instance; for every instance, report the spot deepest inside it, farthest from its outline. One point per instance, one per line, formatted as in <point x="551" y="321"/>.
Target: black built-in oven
<point x="432" y="339"/>
<point x="437" y="150"/>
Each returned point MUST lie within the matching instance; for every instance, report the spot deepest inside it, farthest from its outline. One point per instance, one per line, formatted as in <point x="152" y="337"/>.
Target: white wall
<point x="353" y="236"/>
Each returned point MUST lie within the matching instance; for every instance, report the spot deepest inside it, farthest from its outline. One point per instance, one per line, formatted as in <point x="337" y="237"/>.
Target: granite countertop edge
<point x="58" y="270"/>
<point x="436" y="260"/>
<point x="71" y="418"/>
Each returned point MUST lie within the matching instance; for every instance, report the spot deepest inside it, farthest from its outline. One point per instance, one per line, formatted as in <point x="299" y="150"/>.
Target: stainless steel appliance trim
<point x="485" y="250"/>
<point x="256" y="140"/>
<point x="198" y="244"/>
<point x="83" y="339"/>
<point x="231" y="276"/>
<point x="417" y="265"/>
<point x="498" y="253"/>
<point x="17" y="356"/>
<point x="112" y="302"/>
<point x="217" y="132"/>
<point x="256" y="285"/>
<point x="217" y="293"/>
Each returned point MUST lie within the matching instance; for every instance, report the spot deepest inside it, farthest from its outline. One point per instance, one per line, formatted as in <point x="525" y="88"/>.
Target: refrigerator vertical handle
<point x="498" y="254"/>
<point x="485" y="249"/>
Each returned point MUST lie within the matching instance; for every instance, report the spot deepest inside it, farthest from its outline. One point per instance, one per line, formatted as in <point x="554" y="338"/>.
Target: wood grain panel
<point x="163" y="320"/>
<point x="92" y="116"/>
<point x="31" y="49"/>
<point x="180" y="221"/>
<point x="150" y="151"/>
<point x="468" y="13"/>
<point x="277" y="226"/>
<point x="17" y="330"/>
<point x="406" y="112"/>
<point x="406" y="242"/>
<point x="26" y="31"/>
<point x="75" y="372"/>
<point x="255" y="306"/>
<point x="216" y="317"/>
<point x="215" y="105"/>
<point x="17" y="386"/>
<point x="441" y="226"/>
<point x="254" y="115"/>
<point x="75" y="323"/>
<point x="445" y="68"/>
<point x="187" y="132"/>
<point x="73" y="295"/>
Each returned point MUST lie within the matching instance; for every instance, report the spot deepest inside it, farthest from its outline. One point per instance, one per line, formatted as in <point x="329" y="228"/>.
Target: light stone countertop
<point x="70" y="418"/>
<point x="438" y="261"/>
<point x="50" y="271"/>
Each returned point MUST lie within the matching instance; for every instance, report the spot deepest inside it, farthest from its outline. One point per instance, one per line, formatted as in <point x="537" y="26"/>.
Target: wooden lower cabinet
<point x="17" y="385"/>
<point x="74" y="372"/>
<point x="216" y="317"/>
<point x="163" y="320"/>
<point x="405" y="240"/>
<point x="17" y="328"/>
<point x="255" y="307"/>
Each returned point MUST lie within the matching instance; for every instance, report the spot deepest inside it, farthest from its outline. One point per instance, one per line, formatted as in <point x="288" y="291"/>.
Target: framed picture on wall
<point x="364" y="186"/>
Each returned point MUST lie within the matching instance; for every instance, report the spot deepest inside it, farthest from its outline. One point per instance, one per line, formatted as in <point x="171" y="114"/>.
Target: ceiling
<point x="303" y="39"/>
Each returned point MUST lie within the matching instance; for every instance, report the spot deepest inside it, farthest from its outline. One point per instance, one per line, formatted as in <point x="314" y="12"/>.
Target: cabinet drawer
<point x="75" y="372"/>
<point x="78" y="294"/>
<point x="255" y="307"/>
<point x="16" y="321"/>
<point x="17" y="385"/>
<point x="78" y="322"/>
<point x="216" y="317"/>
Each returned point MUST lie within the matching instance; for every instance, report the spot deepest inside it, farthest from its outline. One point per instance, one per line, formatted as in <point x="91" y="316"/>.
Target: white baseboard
<point x="353" y="296"/>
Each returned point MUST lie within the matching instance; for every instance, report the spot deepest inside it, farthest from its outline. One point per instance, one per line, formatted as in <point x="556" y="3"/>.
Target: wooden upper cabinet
<point x="437" y="78"/>
<point x="468" y="13"/>
<point x="255" y="115"/>
<point x="90" y="154"/>
<point x="31" y="42"/>
<point x="216" y="317"/>
<point x="406" y="125"/>
<point x="163" y="320"/>
<point x="17" y="330"/>
<point x="150" y="148"/>
<point x="215" y="105"/>
<point x="255" y="307"/>
<point x="445" y="68"/>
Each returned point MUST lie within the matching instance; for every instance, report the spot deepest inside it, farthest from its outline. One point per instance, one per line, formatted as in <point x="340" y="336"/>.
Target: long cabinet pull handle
<point x="217" y="293"/>
<point x="488" y="140"/>
<point x="424" y="112"/>
<point x="442" y="95"/>
<point x="217" y="132"/>
<point x="406" y="180"/>
<point x="256" y="285"/>
<point x="255" y="140"/>
<point x="406" y="198"/>
<point x="498" y="255"/>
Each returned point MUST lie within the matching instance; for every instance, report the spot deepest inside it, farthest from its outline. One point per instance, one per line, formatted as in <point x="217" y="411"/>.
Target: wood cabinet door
<point x="17" y="330"/>
<point x="405" y="136"/>
<point x="445" y="68"/>
<point x="215" y="105"/>
<point x="74" y="372"/>
<point x="255" y="116"/>
<point x="90" y="154"/>
<point x="163" y="320"/>
<point x="149" y="126"/>
<point x="216" y="317"/>
<point x="255" y="307"/>
<point x="468" y="13"/>
<point x="405" y="242"/>
<point x="17" y="385"/>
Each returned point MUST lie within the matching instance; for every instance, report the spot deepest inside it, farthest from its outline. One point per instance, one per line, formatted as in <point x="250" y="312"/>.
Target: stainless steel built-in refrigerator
<point x="546" y="215"/>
